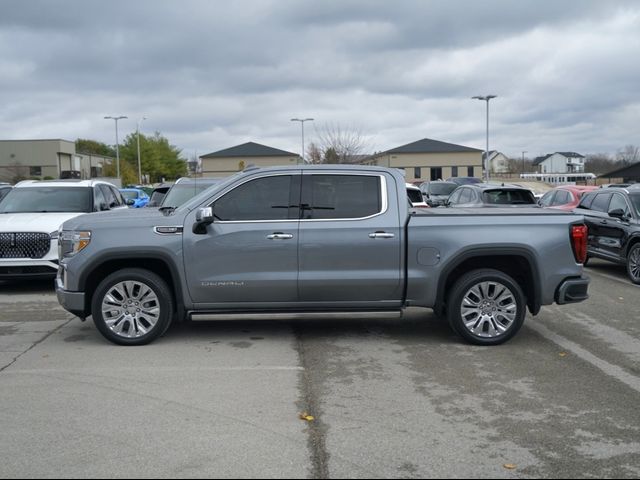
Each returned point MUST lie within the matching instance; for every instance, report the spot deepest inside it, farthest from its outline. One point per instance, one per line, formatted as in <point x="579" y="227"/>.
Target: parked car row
<point x="612" y="216"/>
<point x="32" y="211"/>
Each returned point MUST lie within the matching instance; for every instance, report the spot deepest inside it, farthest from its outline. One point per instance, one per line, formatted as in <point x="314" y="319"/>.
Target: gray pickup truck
<point x="317" y="241"/>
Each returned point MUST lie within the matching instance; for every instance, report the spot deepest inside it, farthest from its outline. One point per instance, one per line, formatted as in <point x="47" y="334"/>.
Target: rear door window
<point x="341" y="196"/>
<point x="466" y="195"/>
<point x="562" y="198"/>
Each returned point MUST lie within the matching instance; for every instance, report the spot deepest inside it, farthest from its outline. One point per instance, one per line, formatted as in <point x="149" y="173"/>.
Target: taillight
<point x="579" y="242"/>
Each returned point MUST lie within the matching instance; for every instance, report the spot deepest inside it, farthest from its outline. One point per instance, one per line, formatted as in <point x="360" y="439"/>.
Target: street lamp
<point x="139" y="164"/>
<point x="302" y="120"/>
<point x="117" y="146"/>
<point x="523" y="160"/>
<point x="486" y="98"/>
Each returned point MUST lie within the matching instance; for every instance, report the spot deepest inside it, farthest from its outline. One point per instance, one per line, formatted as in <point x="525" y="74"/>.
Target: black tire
<point x="495" y="307"/>
<point x="633" y="264"/>
<point x="138" y="306"/>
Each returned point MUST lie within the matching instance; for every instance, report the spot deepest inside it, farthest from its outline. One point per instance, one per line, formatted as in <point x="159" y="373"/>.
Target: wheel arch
<point x="155" y="262"/>
<point x="517" y="262"/>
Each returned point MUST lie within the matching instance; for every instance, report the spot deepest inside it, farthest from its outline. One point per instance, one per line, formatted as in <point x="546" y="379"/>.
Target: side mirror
<point x="618" y="213"/>
<point x="130" y="201"/>
<point x="204" y="217"/>
<point x="103" y="206"/>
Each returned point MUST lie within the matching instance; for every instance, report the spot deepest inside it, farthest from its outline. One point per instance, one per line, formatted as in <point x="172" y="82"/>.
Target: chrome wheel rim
<point x="488" y="309"/>
<point x="634" y="264"/>
<point x="130" y="309"/>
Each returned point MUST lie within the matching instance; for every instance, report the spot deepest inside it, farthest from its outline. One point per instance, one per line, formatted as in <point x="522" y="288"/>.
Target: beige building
<point x="231" y="160"/>
<point x="20" y="159"/>
<point x="428" y="159"/>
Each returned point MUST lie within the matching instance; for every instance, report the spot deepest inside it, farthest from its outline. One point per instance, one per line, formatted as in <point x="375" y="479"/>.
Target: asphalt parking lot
<point x="389" y="398"/>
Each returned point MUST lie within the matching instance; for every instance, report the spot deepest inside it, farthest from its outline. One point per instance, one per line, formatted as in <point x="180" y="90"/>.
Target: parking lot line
<point x="611" y="277"/>
<point x="608" y="368"/>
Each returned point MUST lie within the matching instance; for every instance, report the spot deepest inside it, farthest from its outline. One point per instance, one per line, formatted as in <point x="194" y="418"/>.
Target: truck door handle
<point x="280" y="236"/>
<point x="381" y="235"/>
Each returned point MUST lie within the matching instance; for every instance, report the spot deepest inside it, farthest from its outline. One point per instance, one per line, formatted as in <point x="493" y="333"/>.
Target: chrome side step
<point x="297" y="315"/>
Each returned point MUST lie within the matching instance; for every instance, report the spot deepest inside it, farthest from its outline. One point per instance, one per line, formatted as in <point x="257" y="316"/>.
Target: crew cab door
<point x="350" y="240"/>
<point x="248" y="256"/>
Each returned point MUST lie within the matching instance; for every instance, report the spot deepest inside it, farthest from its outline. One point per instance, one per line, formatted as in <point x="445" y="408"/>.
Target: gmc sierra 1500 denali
<point x="317" y="241"/>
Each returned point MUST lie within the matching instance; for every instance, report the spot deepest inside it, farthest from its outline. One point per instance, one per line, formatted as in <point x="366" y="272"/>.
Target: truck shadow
<point x="424" y="328"/>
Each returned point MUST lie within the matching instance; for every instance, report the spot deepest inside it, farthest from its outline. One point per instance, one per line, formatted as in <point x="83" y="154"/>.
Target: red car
<point x="565" y="197"/>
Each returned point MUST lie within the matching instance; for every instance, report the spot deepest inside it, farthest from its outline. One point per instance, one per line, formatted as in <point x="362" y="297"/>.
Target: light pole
<point x="486" y="98"/>
<point x="523" y="160"/>
<point x="117" y="146"/>
<point x="139" y="164"/>
<point x="302" y="120"/>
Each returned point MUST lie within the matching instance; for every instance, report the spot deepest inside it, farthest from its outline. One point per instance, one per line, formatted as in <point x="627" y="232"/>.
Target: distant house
<point x="498" y="162"/>
<point x="230" y="160"/>
<point x="429" y="159"/>
<point x="560" y="162"/>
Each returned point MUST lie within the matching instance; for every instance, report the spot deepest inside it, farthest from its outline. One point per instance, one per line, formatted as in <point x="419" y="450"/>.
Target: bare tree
<point x="628" y="155"/>
<point x="599" y="163"/>
<point x="314" y="153"/>
<point x="341" y="145"/>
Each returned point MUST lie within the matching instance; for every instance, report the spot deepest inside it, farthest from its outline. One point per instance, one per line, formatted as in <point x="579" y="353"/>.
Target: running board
<point x="297" y="315"/>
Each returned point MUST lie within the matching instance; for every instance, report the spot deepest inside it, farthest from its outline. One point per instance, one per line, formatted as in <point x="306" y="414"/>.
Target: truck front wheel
<point x="486" y="307"/>
<point x="132" y="306"/>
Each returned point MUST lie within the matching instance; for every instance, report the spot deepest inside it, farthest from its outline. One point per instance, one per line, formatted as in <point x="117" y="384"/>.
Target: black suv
<point x="613" y="218"/>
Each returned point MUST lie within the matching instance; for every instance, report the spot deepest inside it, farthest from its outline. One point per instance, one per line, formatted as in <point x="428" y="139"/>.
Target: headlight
<point x="71" y="242"/>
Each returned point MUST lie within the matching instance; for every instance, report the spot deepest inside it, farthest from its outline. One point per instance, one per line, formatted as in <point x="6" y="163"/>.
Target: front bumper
<point x="572" y="290"/>
<point x="73" y="302"/>
<point x="27" y="268"/>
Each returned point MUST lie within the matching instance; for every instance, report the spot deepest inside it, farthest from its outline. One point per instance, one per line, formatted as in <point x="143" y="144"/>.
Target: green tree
<point x="158" y="158"/>
<point x="94" y="147"/>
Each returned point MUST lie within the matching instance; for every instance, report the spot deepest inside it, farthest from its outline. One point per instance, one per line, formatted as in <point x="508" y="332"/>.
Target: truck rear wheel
<point x="486" y="307"/>
<point x="132" y="306"/>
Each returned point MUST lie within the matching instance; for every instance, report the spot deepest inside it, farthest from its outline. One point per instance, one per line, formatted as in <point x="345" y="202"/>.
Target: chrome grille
<point x="24" y="245"/>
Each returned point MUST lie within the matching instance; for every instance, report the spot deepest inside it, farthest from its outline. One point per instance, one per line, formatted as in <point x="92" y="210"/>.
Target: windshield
<point x="48" y="199"/>
<point x="180" y="193"/>
<point x="129" y="194"/>
<point x="441" y="188"/>
<point x="508" y="197"/>
<point x="635" y="200"/>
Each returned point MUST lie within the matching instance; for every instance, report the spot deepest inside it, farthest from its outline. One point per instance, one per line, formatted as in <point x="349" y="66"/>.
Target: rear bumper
<point x="572" y="290"/>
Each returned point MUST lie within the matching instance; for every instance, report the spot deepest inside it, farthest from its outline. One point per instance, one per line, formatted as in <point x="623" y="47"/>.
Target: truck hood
<point x="124" y="218"/>
<point x="46" y="222"/>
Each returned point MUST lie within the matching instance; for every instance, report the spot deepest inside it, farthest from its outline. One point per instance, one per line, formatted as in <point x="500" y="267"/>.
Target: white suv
<point x="31" y="214"/>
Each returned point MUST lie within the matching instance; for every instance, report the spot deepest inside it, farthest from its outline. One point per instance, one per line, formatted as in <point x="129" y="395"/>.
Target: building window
<point x="417" y="172"/>
<point x="35" y="171"/>
<point x="469" y="171"/>
<point x="436" y="173"/>
<point x="454" y="171"/>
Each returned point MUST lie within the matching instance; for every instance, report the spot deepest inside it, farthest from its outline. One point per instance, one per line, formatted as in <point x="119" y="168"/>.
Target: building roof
<point x="427" y="145"/>
<point x="250" y="149"/>
<point x="539" y="160"/>
<point x="630" y="171"/>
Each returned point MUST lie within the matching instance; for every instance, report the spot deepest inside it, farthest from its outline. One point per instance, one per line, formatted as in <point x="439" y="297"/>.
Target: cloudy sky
<point x="213" y="74"/>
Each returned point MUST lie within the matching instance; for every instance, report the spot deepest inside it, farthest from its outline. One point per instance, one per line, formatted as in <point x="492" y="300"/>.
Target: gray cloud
<point x="212" y="74"/>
